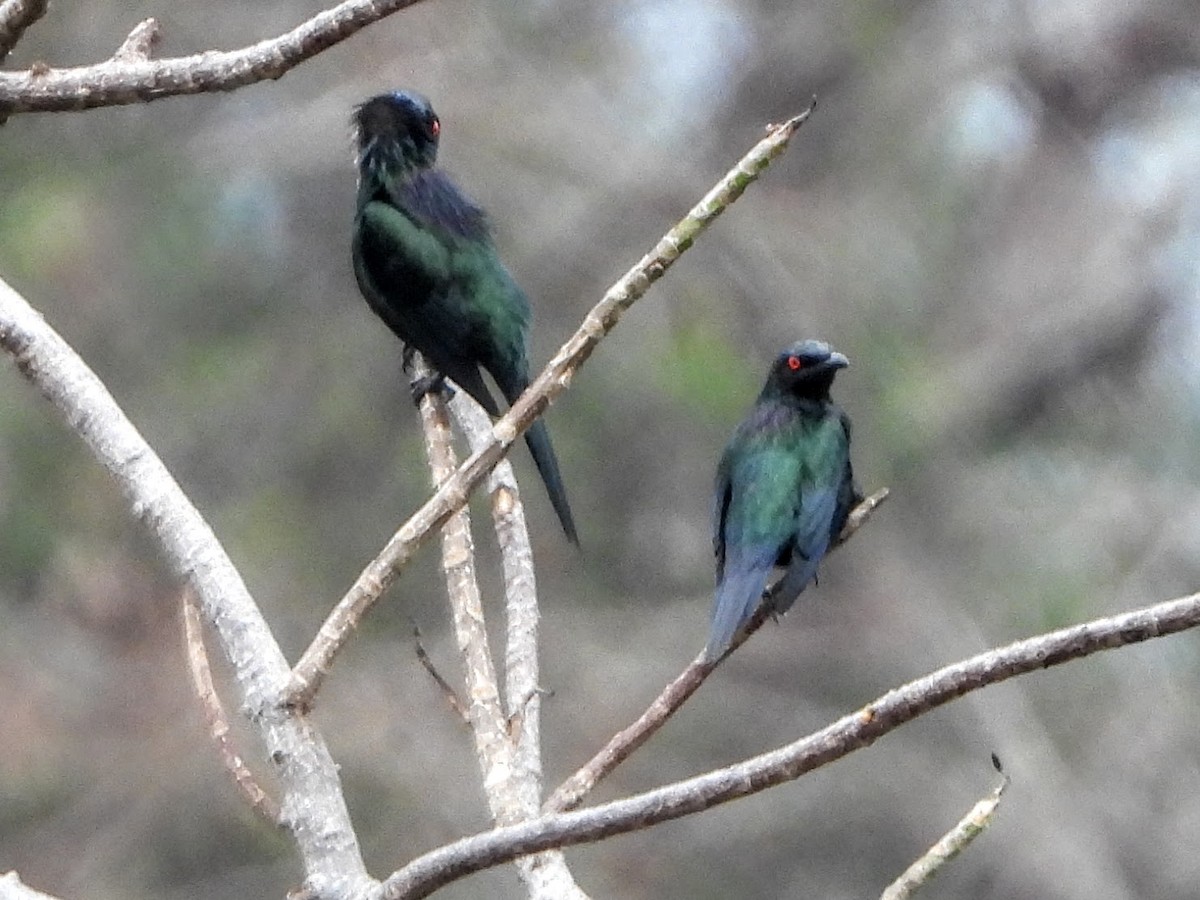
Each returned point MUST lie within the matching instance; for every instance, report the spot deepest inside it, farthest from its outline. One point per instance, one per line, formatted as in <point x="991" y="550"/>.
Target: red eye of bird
<point x="435" y="127"/>
<point x="794" y="363"/>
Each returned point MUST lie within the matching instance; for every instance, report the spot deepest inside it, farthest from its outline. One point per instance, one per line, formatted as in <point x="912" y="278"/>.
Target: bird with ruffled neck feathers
<point x="425" y="262"/>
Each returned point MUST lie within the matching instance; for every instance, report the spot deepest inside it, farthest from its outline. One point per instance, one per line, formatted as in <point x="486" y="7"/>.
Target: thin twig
<point x="447" y="689"/>
<point x="214" y="714"/>
<point x="553" y="380"/>
<point x="859" y="515"/>
<point x="952" y="843"/>
<point x="622" y="745"/>
<point x="123" y="79"/>
<point x="859" y="729"/>
<point x="15" y="17"/>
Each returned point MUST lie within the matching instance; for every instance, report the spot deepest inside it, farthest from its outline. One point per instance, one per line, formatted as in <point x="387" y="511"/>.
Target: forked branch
<point x="515" y="796"/>
<point x="313" y="808"/>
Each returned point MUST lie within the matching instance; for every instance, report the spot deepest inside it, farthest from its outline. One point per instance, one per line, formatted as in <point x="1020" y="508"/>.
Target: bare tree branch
<point x="11" y="888"/>
<point x="513" y="792"/>
<point x="313" y="808"/>
<point x="622" y="745"/>
<point x="520" y="585"/>
<point x="214" y="714"/>
<point x="553" y="380"/>
<point x="484" y="713"/>
<point x="15" y="17"/>
<point x="952" y="843"/>
<point x="859" y="515"/>
<point x="134" y="78"/>
<point x="860" y="729"/>
<point x="545" y="875"/>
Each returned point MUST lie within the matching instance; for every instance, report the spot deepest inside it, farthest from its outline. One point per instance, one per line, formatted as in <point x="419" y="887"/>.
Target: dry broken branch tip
<point x="15" y="17"/>
<point x="951" y="844"/>
<point x="140" y="42"/>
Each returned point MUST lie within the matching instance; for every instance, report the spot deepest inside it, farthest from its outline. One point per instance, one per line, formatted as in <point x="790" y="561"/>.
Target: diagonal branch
<point x="15" y="17"/>
<point x="860" y="729"/>
<point x="134" y="78"/>
<point x="314" y="665"/>
<point x="452" y="699"/>
<point x="622" y="745"/>
<point x="314" y="809"/>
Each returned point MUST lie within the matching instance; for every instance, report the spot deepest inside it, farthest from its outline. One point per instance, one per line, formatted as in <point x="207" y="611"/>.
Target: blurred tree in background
<point x="995" y="213"/>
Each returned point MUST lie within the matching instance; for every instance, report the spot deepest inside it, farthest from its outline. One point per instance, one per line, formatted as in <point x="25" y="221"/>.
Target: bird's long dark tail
<point x="538" y="439"/>
<point x="738" y="595"/>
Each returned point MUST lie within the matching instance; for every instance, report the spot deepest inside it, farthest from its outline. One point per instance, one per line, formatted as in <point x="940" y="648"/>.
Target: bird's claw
<point x="430" y="384"/>
<point x="426" y="384"/>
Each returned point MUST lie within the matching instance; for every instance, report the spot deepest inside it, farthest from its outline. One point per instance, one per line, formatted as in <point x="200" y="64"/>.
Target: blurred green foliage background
<point x="995" y="212"/>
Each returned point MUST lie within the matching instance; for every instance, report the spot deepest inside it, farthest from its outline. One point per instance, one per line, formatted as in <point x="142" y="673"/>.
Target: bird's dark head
<point x="397" y="131"/>
<point x="806" y="370"/>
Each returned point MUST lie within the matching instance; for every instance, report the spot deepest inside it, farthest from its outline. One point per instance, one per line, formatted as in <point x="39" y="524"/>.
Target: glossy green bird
<point x="784" y="487"/>
<point x="425" y="262"/>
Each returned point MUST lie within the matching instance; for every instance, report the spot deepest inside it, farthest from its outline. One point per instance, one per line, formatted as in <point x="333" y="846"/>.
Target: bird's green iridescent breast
<point x="771" y="461"/>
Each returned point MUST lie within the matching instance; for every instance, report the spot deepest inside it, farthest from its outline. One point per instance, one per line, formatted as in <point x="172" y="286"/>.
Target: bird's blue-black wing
<point x="485" y="314"/>
<point x="824" y="499"/>
<point x="405" y="273"/>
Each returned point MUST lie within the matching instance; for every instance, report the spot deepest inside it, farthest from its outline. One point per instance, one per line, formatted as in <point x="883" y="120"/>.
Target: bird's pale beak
<point x="837" y="361"/>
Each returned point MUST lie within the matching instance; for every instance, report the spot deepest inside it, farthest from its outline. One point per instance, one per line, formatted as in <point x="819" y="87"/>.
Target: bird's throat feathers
<point x="385" y="160"/>
<point x="773" y="414"/>
<point x="812" y="399"/>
